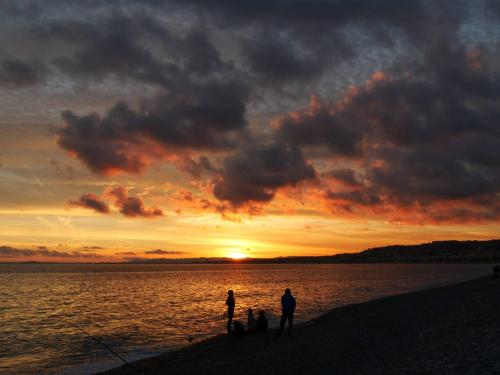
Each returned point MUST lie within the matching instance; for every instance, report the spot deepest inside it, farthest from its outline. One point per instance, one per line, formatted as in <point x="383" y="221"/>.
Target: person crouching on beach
<point x="288" y="305"/>
<point x="239" y="329"/>
<point x="262" y="322"/>
<point x="230" y="303"/>
<point x="251" y="322"/>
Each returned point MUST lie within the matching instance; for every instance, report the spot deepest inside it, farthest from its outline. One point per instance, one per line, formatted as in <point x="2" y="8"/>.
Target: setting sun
<point x="236" y="255"/>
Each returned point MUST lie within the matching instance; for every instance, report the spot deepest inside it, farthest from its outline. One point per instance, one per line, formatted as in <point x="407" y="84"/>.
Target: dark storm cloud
<point x="16" y="73"/>
<point x="202" y="100"/>
<point x="11" y="252"/>
<point x="114" y="45"/>
<point x="132" y="206"/>
<point x="317" y="16"/>
<point x="197" y="53"/>
<point x="423" y="131"/>
<point x="432" y="133"/>
<point x="284" y="41"/>
<point x="92" y="202"/>
<point x="427" y="174"/>
<point x="318" y="126"/>
<point x="280" y="61"/>
<point x="164" y="252"/>
<point x="138" y="47"/>
<point x="256" y="173"/>
<point x="442" y="97"/>
<point x="201" y="118"/>
<point x="289" y="41"/>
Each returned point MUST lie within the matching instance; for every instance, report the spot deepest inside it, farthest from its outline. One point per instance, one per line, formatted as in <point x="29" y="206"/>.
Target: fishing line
<point x="189" y="337"/>
<point x="103" y="345"/>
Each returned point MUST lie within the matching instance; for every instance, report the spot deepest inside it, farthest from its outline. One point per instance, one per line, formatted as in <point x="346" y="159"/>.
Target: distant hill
<point x="433" y="252"/>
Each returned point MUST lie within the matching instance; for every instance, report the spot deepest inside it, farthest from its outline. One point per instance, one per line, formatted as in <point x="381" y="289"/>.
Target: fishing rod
<point x="108" y="348"/>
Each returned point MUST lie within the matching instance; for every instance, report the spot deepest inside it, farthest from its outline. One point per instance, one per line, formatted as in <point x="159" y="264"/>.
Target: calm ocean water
<point x="138" y="309"/>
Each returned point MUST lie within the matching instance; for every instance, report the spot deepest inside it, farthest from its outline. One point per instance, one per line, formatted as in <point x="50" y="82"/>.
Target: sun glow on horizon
<point x="236" y="248"/>
<point x="236" y="254"/>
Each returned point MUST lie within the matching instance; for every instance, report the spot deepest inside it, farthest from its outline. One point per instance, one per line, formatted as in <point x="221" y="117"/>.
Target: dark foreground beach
<point x="449" y="330"/>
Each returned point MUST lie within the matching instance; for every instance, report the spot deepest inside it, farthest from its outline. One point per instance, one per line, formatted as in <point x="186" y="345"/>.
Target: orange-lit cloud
<point x="131" y="206"/>
<point x="92" y="202"/>
<point x="127" y="205"/>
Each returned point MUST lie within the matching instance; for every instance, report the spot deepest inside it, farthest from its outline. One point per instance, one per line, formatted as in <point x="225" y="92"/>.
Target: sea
<point x="64" y="318"/>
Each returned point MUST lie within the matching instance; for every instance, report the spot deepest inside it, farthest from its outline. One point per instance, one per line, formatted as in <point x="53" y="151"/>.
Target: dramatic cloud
<point x="124" y="140"/>
<point x="321" y="125"/>
<point x="257" y="173"/>
<point x="403" y="116"/>
<point x="296" y="40"/>
<point x="279" y="61"/>
<point x="126" y="205"/>
<point x="11" y="252"/>
<point x="110" y="46"/>
<point x="430" y="134"/>
<point x="132" y="206"/>
<point x="138" y="47"/>
<point x="92" y="202"/>
<point x="164" y="252"/>
<point x="315" y="17"/>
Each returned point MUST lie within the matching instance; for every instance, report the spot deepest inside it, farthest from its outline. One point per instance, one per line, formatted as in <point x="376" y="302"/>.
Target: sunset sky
<point x="169" y="128"/>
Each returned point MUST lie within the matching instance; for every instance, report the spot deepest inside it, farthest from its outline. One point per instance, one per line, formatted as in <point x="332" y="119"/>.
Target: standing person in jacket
<point x="288" y="305"/>
<point x="230" y="303"/>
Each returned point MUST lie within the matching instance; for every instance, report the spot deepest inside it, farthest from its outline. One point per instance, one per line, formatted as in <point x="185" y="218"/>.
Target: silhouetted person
<point x="288" y="304"/>
<point x="251" y="322"/>
<point x="262" y="322"/>
<point x="239" y="329"/>
<point x="230" y="309"/>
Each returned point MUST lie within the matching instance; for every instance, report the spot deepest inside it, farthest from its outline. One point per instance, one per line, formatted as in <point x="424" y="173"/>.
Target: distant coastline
<point x="487" y="251"/>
